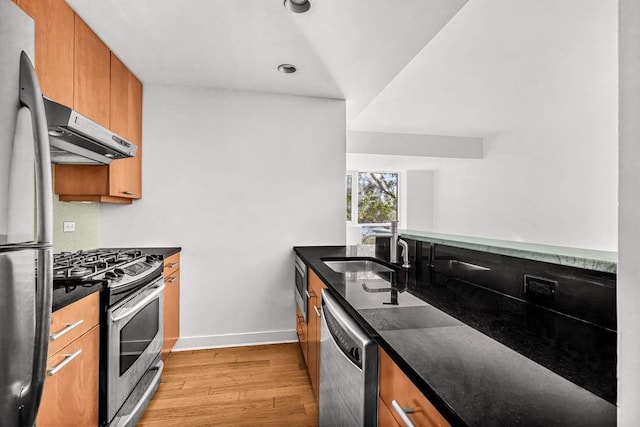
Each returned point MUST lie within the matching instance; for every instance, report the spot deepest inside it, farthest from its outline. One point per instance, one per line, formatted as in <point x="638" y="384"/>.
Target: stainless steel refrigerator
<point x="25" y="223"/>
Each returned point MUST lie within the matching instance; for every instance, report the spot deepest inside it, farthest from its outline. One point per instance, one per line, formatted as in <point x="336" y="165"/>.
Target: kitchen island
<point x="481" y="357"/>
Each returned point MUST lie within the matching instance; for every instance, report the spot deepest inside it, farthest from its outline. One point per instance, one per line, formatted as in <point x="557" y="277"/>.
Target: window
<point x="372" y="201"/>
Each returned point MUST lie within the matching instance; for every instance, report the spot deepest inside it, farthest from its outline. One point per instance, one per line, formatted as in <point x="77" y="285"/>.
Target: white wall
<point x="550" y="176"/>
<point x="629" y="217"/>
<point x="419" y="200"/>
<point x="553" y="181"/>
<point x="237" y="179"/>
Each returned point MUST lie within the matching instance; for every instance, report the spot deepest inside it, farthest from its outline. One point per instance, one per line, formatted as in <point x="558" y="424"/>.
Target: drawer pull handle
<point x="402" y="413"/>
<point x="69" y="328"/>
<point x="172" y="279"/>
<point x="129" y="193"/>
<point x="172" y="265"/>
<point x="308" y="294"/>
<point x="67" y="359"/>
<point x="315" y="308"/>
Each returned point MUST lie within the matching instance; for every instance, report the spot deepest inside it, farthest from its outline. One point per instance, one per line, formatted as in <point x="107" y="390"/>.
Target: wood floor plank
<point x="266" y="385"/>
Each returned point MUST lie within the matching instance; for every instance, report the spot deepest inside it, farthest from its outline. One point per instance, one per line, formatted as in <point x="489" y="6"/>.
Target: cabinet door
<point x="315" y="285"/>
<point x="385" y="418"/>
<point x="70" y="395"/>
<point x="54" y="21"/>
<point x="302" y="331"/>
<point x="395" y="385"/>
<point x="171" y="312"/>
<point x="91" y="74"/>
<point x="125" y="178"/>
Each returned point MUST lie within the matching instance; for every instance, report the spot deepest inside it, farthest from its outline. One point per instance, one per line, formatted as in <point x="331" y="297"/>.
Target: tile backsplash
<point x="87" y="225"/>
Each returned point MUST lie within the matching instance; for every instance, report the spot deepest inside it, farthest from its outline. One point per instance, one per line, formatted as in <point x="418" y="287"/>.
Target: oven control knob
<point x="119" y="272"/>
<point x="110" y="275"/>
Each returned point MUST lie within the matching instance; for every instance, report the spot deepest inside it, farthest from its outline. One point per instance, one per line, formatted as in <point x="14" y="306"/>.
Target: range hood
<point x="76" y="139"/>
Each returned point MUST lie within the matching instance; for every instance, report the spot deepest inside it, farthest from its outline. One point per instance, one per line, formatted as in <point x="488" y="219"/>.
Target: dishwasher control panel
<point x="348" y="345"/>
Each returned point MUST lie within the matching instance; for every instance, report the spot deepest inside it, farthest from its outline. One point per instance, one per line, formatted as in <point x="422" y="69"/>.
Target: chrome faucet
<point x="405" y="253"/>
<point x="395" y="241"/>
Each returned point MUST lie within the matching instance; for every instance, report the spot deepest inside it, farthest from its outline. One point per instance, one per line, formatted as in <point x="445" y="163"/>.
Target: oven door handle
<point x="139" y="305"/>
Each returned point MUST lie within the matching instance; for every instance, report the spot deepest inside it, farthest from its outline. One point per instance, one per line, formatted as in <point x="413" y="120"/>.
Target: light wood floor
<point x="265" y="385"/>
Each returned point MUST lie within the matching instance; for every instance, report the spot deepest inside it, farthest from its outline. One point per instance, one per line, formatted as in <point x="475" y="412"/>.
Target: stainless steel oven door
<point x="302" y="294"/>
<point x="135" y="341"/>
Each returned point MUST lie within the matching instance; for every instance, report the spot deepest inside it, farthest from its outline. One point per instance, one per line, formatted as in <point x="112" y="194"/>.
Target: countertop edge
<point x="581" y="258"/>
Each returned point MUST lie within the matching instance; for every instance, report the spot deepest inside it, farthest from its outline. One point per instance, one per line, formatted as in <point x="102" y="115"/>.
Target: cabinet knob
<point x="129" y="193"/>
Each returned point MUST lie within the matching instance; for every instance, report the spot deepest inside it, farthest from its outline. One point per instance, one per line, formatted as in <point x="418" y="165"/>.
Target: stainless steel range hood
<point x="75" y="139"/>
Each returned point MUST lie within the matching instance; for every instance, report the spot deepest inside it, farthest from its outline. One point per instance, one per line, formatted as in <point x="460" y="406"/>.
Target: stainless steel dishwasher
<point x="348" y="369"/>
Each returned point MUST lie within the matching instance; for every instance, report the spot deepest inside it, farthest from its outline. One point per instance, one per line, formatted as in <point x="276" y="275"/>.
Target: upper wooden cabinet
<point x="77" y="69"/>
<point x="91" y="74"/>
<point x="55" y="22"/>
<point x="125" y="176"/>
<point x="121" y="181"/>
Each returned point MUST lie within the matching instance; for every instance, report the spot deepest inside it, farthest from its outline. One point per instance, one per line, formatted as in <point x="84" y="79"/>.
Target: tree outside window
<point x="372" y="201"/>
<point x="377" y="197"/>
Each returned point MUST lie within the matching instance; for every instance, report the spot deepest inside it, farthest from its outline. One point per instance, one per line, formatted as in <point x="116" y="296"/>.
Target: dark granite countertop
<point x="482" y="358"/>
<point x="63" y="296"/>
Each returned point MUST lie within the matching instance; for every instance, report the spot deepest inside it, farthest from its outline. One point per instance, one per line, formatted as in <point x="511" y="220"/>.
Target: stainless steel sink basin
<point x="357" y="265"/>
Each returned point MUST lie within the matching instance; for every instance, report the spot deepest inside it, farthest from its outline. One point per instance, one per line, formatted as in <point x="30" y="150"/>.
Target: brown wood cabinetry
<point x="73" y="321"/>
<point x="70" y="395"/>
<point x="77" y="69"/>
<point x="385" y="418"/>
<point x="313" y="330"/>
<point x="125" y="176"/>
<point x="121" y="181"/>
<point x="301" y="330"/>
<point x="91" y="74"/>
<point x="396" y="386"/>
<point x="171" y="303"/>
<point x="54" y="22"/>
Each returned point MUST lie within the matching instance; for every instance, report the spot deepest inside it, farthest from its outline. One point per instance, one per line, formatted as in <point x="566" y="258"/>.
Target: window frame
<point x="355" y="197"/>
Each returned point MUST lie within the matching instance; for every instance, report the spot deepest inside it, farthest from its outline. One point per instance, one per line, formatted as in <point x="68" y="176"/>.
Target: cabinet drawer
<point x="70" y="394"/>
<point x="171" y="264"/>
<point x="385" y="419"/>
<point x="395" y="385"/>
<point x="72" y="321"/>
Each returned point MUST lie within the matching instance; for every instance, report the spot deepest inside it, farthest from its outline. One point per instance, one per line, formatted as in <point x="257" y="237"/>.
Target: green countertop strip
<point x="574" y="257"/>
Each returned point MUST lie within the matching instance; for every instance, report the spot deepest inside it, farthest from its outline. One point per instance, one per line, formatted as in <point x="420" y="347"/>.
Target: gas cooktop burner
<point x="71" y="268"/>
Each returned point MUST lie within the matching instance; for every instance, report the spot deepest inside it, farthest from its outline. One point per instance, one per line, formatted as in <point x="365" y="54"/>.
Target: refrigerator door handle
<point x="31" y="97"/>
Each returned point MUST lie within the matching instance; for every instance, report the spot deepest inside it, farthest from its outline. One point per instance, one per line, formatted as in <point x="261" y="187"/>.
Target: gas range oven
<point x="131" y="325"/>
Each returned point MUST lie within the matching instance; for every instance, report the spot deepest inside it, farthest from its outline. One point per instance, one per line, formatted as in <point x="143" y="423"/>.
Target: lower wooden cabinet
<point x="70" y="395"/>
<point x="315" y="285"/>
<point x="385" y="418"/>
<point x="396" y="386"/>
<point x="302" y="331"/>
<point x="171" y="316"/>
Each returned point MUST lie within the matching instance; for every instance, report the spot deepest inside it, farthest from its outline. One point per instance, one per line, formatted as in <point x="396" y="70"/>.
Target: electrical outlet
<point x="68" y="226"/>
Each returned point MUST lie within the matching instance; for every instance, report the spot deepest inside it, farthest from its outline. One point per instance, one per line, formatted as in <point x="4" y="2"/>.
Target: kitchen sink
<point x="357" y="265"/>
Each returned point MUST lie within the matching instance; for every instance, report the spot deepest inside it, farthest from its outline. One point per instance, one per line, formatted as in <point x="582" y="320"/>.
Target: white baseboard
<point x="235" y="340"/>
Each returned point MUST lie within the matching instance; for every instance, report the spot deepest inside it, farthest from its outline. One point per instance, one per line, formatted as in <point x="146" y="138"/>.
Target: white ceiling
<point x="343" y="49"/>
<point x="229" y="44"/>
<point x="494" y="64"/>
<point x="499" y="63"/>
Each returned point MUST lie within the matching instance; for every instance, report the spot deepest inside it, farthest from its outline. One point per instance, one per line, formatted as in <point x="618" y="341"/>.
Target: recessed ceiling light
<point x="287" y="68"/>
<point x="297" y="6"/>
